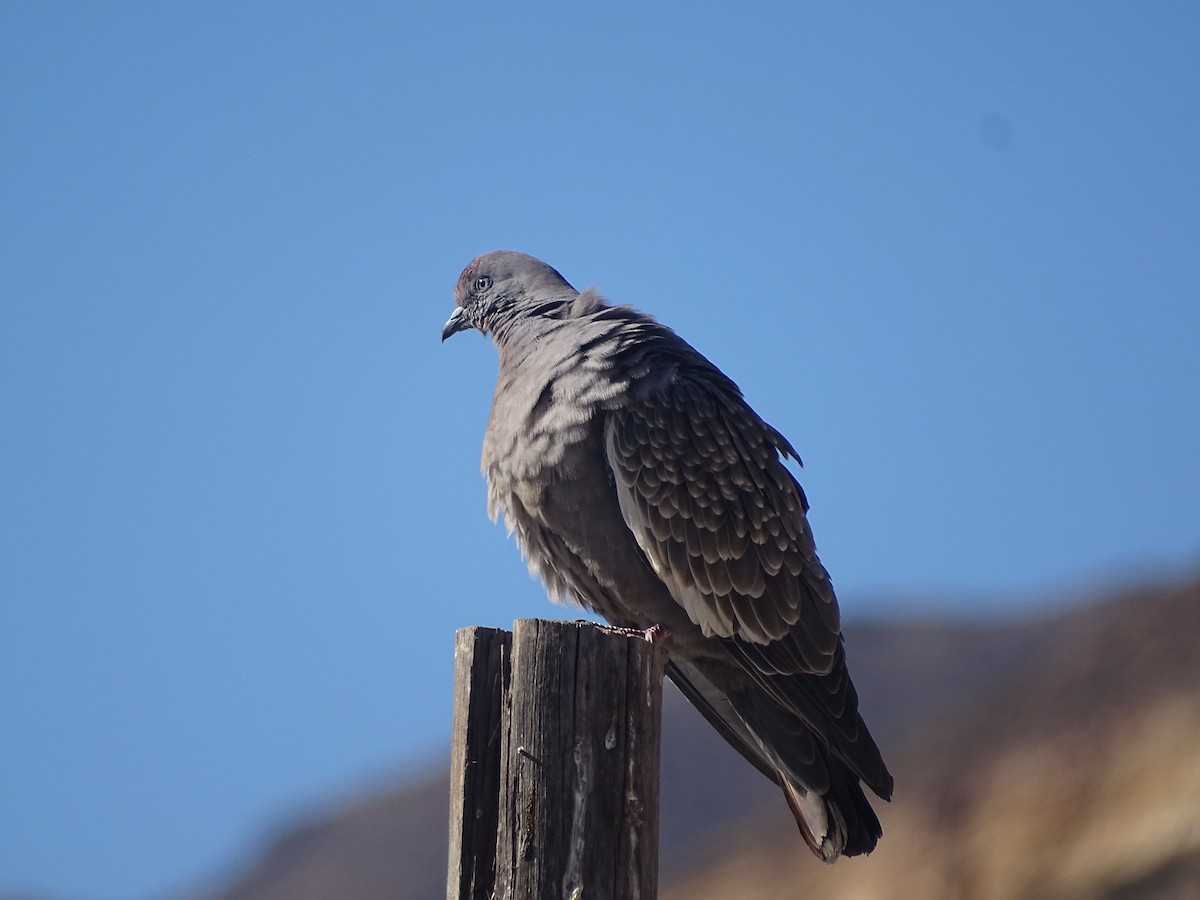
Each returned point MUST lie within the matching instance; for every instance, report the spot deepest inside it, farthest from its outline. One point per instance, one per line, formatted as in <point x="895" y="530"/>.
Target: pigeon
<point x="641" y="485"/>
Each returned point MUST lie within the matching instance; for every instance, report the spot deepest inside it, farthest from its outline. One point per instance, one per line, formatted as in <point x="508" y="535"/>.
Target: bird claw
<point x="655" y="634"/>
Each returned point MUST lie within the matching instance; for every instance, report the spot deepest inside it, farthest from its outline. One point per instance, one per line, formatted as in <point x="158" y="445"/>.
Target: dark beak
<point x="456" y="323"/>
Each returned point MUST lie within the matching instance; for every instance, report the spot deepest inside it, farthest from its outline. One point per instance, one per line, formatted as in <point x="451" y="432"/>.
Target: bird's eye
<point x="482" y="283"/>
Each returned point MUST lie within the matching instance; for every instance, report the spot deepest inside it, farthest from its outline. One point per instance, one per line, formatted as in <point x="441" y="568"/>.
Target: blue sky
<point x="951" y="252"/>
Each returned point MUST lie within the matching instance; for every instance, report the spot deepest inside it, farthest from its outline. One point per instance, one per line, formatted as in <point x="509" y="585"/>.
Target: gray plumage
<point x="640" y="484"/>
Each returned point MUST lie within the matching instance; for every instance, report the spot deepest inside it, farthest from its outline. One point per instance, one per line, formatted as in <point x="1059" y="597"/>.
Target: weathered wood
<point x="578" y="805"/>
<point x="481" y="657"/>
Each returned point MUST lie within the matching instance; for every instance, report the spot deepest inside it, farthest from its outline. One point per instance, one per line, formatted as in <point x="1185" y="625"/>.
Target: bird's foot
<point x="655" y="634"/>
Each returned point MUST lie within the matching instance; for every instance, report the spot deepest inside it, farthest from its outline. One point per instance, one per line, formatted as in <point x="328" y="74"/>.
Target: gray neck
<point x="541" y="325"/>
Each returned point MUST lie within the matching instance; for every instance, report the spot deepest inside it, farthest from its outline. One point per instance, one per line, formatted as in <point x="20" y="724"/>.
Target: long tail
<point x="839" y="822"/>
<point x="824" y="795"/>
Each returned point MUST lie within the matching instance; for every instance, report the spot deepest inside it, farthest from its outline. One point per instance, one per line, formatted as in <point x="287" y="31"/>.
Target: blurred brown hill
<point x="1049" y="758"/>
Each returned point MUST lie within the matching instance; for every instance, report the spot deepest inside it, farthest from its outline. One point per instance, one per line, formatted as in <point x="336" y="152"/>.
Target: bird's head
<point x="500" y="284"/>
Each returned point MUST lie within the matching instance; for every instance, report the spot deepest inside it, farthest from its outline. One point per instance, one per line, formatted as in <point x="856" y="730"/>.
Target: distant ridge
<point x="1036" y="759"/>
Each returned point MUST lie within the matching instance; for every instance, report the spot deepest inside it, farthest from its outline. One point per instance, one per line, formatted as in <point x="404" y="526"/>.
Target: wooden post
<point x="577" y="762"/>
<point x="481" y="658"/>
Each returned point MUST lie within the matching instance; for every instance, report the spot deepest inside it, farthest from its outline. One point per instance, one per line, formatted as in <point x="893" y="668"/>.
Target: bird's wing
<point x="703" y="489"/>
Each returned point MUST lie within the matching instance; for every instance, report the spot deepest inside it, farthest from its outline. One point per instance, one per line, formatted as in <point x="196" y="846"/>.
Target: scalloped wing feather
<point x="702" y="487"/>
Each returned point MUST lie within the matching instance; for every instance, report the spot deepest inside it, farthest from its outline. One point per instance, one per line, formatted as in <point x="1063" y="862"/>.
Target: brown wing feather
<point x="702" y="487"/>
<point x="722" y="520"/>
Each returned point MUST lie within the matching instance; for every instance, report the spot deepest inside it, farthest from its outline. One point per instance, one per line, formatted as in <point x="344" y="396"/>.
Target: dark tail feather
<point x="839" y="822"/>
<point x="834" y="816"/>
